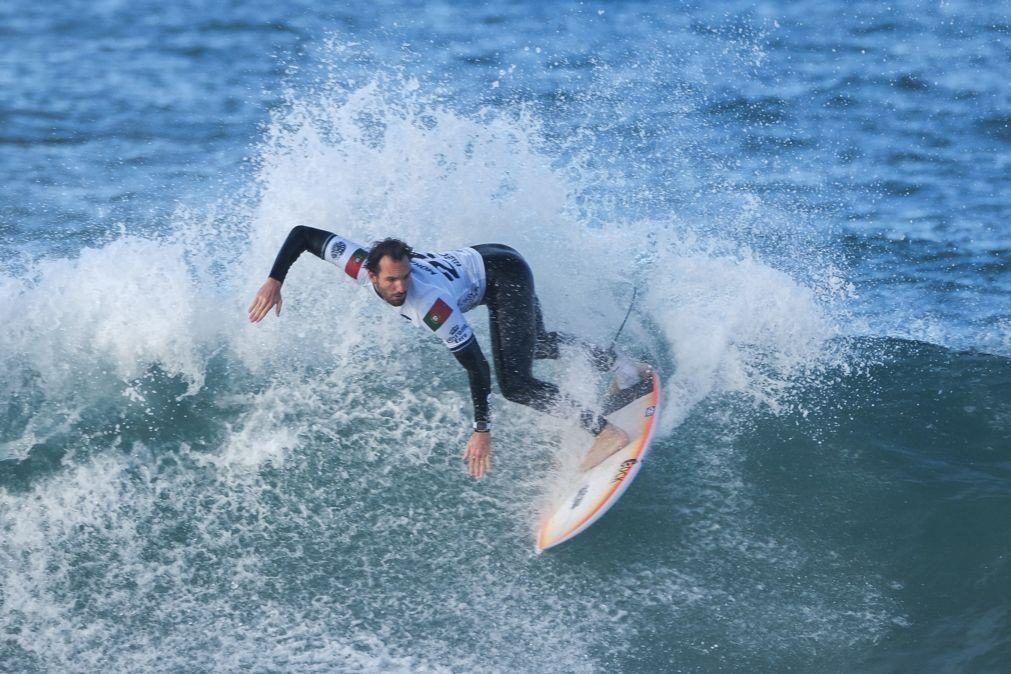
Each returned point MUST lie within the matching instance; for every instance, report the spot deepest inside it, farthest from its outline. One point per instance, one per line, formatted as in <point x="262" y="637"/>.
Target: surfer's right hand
<point x="267" y="297"/>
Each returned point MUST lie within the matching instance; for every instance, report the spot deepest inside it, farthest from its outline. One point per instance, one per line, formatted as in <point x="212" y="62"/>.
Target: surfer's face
<point x="393" y="279"/>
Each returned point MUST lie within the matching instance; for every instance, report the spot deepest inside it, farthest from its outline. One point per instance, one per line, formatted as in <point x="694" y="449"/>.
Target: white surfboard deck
<point x="594" y="491"/>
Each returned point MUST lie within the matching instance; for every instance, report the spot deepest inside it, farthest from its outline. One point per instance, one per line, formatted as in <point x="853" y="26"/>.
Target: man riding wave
<point x="433" y="291"/>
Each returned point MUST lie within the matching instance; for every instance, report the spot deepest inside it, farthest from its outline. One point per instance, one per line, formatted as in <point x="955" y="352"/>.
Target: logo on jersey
<point x="458" y="335"/>
<point x="338" y="249"/>
<point x="438" y="315"/>
<point x="354" y="265"/>
<point x="470" y="299"/>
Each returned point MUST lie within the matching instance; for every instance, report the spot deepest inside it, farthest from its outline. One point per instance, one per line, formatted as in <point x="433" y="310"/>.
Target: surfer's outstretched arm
<point x="477" y="454"/>
<point x="321" y="243"/>
<point x="300" y="239"/>
<point x="346" y="254"/>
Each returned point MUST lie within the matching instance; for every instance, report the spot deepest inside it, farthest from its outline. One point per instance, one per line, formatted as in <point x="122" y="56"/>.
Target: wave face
<point x="183" y="491"/>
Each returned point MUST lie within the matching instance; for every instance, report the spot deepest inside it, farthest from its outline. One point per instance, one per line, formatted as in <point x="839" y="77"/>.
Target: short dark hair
<point x="394" y="248"/>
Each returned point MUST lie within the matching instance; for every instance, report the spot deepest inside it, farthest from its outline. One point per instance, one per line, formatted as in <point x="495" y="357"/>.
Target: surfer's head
<point x="389" y="267"/>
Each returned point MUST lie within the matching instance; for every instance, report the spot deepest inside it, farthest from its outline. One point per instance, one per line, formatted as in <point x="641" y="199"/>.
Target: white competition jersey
<point x="442" y="287"/>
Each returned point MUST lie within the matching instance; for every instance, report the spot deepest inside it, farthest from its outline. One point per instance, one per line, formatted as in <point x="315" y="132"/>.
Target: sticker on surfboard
<point x="597" y="489"/>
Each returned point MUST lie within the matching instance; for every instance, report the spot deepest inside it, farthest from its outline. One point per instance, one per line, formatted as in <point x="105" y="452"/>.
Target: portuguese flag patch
<point x="354" y="265"/>
<point x="437" y="315"/>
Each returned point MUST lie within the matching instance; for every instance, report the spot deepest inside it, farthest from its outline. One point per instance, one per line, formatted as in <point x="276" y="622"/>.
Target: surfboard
<point x="597" y="489"/>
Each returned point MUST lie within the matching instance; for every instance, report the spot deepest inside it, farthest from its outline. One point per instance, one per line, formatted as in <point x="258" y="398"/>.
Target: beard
<point x="394" y="299"/>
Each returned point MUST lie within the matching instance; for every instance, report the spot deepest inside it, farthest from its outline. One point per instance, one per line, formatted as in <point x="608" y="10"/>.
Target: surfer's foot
<point x="626" y="373"/>
<point x="610" y="440"/>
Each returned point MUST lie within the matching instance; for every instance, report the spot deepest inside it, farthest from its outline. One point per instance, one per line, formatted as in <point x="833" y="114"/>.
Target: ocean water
<point x="811" y="199"/>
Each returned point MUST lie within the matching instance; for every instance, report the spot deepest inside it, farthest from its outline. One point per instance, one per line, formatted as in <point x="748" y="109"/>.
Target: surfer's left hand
<point x="478" y="454"/>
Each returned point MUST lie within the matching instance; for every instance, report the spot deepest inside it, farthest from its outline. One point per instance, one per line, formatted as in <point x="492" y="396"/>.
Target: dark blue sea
<point x="811" y="200"/>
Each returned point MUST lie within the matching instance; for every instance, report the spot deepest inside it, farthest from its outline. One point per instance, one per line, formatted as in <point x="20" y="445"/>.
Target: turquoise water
<point x="811" y="201"/>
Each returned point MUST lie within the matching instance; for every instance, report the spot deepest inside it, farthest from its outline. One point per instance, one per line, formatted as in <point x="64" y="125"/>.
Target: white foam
<point x="113" y="310"/>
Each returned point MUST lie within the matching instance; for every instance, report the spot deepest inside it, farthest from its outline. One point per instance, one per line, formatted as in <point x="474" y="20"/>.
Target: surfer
<point x="433" y="291"/>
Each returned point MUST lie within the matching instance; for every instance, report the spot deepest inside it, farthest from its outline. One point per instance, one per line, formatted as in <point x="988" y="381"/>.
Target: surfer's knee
<point x="516" y="389"/>
<point x="527" y="391"/>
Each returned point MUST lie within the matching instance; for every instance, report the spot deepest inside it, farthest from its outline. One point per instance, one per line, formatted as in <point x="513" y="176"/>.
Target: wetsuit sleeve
<point x="300" y="239"/>
<point x="471" y="357"/>
<point x="325" y="245"/>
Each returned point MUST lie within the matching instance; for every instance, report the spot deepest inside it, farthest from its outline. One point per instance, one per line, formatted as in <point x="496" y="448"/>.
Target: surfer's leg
<point x="514" y="337"/>
<point x="516" y="324"/>
<point x="548" y="343"/>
